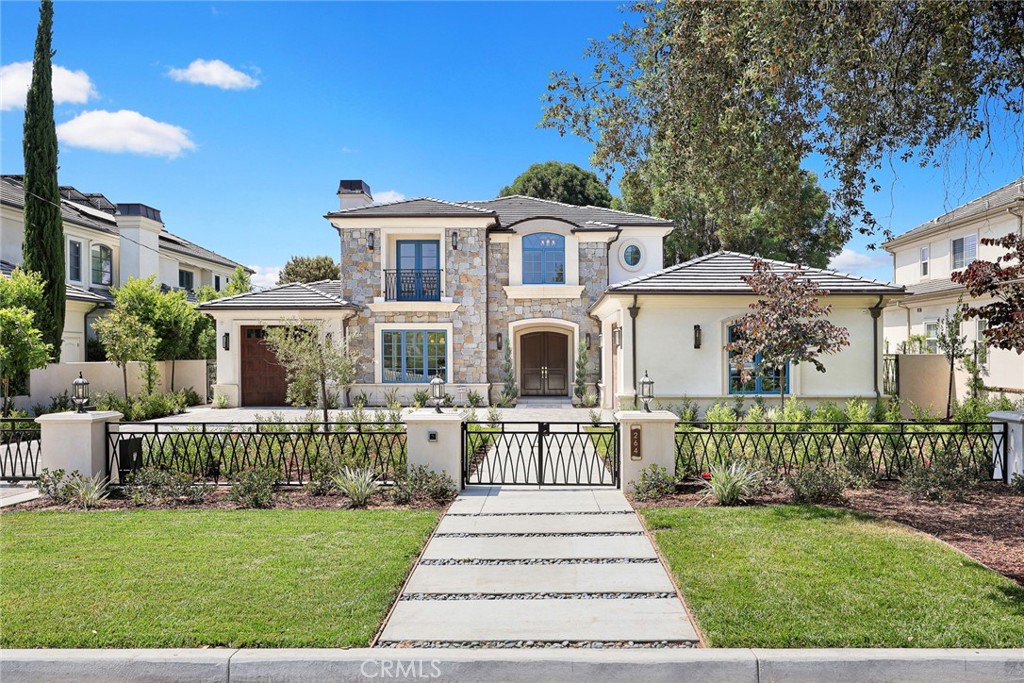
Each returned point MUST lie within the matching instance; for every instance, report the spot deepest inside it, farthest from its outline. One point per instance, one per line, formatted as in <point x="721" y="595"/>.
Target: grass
<point x="805" y="576"/>
<point x="187" y="578"/>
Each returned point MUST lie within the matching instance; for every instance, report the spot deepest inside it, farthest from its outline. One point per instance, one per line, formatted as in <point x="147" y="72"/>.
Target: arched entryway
<point x="544" y="363"/>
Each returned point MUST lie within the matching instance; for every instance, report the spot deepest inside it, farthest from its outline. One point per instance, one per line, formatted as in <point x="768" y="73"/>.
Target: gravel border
<point x="540" y="596"/>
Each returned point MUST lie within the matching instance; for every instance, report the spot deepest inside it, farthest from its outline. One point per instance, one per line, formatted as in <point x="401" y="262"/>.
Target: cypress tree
<point x="44" y="234"/>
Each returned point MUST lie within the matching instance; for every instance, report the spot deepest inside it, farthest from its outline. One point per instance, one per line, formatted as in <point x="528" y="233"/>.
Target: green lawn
<point x="803" y="576"/>
<point x="185" y="578"/>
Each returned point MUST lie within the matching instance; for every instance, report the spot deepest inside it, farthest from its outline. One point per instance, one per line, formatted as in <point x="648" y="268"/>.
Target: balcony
<point x="412" y="285"/>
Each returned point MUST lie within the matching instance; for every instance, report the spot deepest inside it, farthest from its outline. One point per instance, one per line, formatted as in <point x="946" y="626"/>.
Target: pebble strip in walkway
<point x="520" y="567"/>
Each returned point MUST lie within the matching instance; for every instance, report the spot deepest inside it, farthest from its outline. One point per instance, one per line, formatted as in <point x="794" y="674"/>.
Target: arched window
<point x="544" y="259"/>
<point x="755" y="381"/>
<point x="102" y="265"/>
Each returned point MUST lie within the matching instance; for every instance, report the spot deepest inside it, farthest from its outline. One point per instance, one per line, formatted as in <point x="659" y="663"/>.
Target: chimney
<point x="139" y="226"/>
<point x="353" y="194"/>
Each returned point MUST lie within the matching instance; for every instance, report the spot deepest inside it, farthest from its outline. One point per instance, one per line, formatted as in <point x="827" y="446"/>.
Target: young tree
<point x="953" y="345"/>
<point x="787" y="325"/>
<point x="560" y="182"/>
<point x="313" y="360"/>
<point x="309" y="269"/>
<point x="125" y="338"/>
<point x="21" y="349"/>
<point x="23" y="288"/>
<point x="510" y="390"/>
<point x="238" y="283"/>
<point x="582" y="361"/>
<point x="1003" y="281"/>
<point x="44" y="233"/>
<point x="734" y="96"/>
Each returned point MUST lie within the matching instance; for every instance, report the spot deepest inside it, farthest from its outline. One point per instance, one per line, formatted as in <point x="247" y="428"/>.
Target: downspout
<point x="633" y="311"/>
<point x="876" y="313"/>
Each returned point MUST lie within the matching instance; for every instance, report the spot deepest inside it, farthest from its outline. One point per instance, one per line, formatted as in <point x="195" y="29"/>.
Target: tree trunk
<point x="949" y="391"/>
<point x="172" y="373"/>
<point x="7" y="398"/>
<point x="124" y="376"/>
<point x="782" y="387"/>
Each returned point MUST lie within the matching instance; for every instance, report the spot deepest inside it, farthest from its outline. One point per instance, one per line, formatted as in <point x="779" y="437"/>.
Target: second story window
<point x="544" y="259"/>
<point x="216" y="282"/>
<point x="74" y="260"/>
<point x="924" y="261"/>
<point x="965" y="251"/>
<point x="186" y="279"/>
<point x="102" y="266"/>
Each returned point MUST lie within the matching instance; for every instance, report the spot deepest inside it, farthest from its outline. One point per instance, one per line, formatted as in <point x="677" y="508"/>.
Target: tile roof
<point x="325" y="294"/>
<point x="12" y="193"/>
<point x="507" y="211"/>
<point x="73" y="292"/>
<point x="1004" y="196"/>
<point x="180" y="245"/>
<point x="723" y="272"/>
<point x="929" y="287"/>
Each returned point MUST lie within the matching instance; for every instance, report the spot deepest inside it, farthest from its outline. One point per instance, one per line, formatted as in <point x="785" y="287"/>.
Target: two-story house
<point x="105" y="244"/>
<point x="435" y="288"/>
<point x="925" y="257"/>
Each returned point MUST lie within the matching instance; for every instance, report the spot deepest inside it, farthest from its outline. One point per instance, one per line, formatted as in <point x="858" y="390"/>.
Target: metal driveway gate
<point x="540" y="453"/>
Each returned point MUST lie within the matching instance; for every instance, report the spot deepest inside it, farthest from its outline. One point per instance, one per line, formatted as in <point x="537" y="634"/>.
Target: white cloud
<point x="265" y="276"/>
<point x="74" y="87"/>
<point x="216" y="73"/>
<point x="124" y="131"/>
<point x="852" y="261"/>
<point x="388" y="196"/>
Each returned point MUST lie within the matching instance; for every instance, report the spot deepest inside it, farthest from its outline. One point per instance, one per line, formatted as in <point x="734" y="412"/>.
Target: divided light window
<point x="186" y="279"/>
<point x="965" y="251"/>
<point x="924" y="261"/>
<point x="216" y="282"/>
<point x="544" y="259"/>
<point x="413" y="356"/>
<point x="74" y="260"/>
<point x="756" y="383"/>
<point x="102" y="266"/>
<point x="931" y="337"/>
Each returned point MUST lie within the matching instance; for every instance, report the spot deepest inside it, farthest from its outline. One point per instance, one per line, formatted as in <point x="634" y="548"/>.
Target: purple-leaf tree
<point x="786" y="325"/>
<point x="1003" y="282"/>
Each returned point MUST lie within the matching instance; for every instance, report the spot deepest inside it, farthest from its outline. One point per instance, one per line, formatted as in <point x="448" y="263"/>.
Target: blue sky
<point x="238" y="119"/>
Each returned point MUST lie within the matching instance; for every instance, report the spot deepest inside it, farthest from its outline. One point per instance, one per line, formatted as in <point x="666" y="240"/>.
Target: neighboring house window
<point x="544" y="259"/>
<point x="931" y="337"/>
<point x="216" y="282"/>
<point x="755" y="382"/>
<point x="413" y="355"/>
<point x="965" y="251"/>
<point x="102" y="266"/>
<point x="924" y="261"/>
<point x="186" y="278"/>
<point x="74" y="261"/>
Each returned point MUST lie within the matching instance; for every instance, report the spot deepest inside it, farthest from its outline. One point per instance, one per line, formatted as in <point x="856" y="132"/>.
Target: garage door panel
<point x="264" y="382"/>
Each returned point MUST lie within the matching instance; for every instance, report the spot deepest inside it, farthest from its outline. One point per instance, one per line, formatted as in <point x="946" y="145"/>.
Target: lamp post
<point x="80" y="392"/>
<point x="437" y="392"/>
<point x="646" y="391"/>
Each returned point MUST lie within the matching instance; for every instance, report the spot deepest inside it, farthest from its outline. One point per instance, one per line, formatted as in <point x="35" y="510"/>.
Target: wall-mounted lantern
<point x="498" y="340"/>
<point x="80" y="392"/>
<point x="455" y="240"/>
<point x="370" y="240"/>
<point x="646" y="391"/>
<point x="587" y="338"/>
<point x="437" y="392"/>
<point x="225" y="341"/>
<point x="617" y="337"/>
<point x="696" y="336"/>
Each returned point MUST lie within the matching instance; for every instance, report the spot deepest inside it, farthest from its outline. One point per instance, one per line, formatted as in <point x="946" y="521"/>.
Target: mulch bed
<point x="988" y="525"/>
<point x="284" y="499"/>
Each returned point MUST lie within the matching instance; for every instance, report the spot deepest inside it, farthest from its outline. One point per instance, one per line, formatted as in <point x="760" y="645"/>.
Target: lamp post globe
<point x="646" y="391"/>
<point x="437" y="392"/>
<point x="80" y="392"/>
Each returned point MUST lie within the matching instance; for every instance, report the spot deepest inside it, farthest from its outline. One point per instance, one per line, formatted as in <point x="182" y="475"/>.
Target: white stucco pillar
<point x="435" y="440"/>
<point x="75" y="441"/>
<point x="1014" y="422"/>
<point x="645" y="439"/>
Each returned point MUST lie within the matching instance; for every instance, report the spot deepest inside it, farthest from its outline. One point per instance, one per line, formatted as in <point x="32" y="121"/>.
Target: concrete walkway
<point x="522" y="567"/>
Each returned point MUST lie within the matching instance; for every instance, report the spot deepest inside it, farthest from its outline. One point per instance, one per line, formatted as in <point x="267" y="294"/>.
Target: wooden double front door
<point x="544" y="364"/>
<point x="263" y="380"/>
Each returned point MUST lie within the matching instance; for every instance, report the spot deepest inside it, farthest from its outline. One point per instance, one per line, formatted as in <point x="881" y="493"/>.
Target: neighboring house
<point x="106" y="244"/>
<point x="924" y="259"/>
<point x="435" y="288"/>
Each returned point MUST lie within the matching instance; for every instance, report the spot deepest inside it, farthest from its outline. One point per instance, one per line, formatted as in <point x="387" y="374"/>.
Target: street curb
<point x="514" y="666"/>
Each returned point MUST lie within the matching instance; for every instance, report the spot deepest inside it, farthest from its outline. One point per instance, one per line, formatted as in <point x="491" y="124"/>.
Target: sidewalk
<point x="555" y="567"/>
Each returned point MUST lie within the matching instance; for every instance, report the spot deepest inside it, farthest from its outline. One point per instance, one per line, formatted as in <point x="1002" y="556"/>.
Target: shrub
<point x="145" y="406"/>
<point x="88" y="492"/>
<point x="589" y="400"/>
<point x="938" y="482"/>
<point x="734" y="483"/>
<point x="654" y="483"/>
<point x="1017" y="484"/>
<point x="61" y="403"/>
<point x="152" y="484"/>
<point x="220" y="401"/>
<point x="56" y="485"/>
<point x="817" y="485"/>
<point x="321" y="486"/>
<point x="494" y="416"/>
<point x="474" y="398"/>
<point x="595" y="417"/>
<point x="720" y="412"/>
<point x="357" y="483"/>
<point x="254" y="488"/>
<point x="422" y="484"/>
<point x="420" y="398"/>
<point x="192" y="397"/>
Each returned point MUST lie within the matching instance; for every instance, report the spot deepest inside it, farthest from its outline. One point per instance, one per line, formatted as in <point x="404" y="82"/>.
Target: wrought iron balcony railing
<point x="412" y="285"/>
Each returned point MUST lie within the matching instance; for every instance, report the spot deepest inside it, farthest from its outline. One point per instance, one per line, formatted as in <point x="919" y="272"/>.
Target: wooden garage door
<point x="263" y="380"/>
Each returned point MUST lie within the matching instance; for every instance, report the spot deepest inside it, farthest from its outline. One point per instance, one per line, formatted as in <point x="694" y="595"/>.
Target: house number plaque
<point x="635" y="443"/>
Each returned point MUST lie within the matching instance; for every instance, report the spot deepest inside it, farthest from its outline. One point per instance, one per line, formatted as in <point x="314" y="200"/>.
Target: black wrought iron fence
<point x="891" y="374"/>
<point x="884" y="451"/>
<point x="297" y="451"/>
<point x="19" y="449"/>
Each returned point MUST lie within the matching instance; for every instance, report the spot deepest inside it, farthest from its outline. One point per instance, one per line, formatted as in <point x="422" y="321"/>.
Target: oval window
<point x="631" y="256"/>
